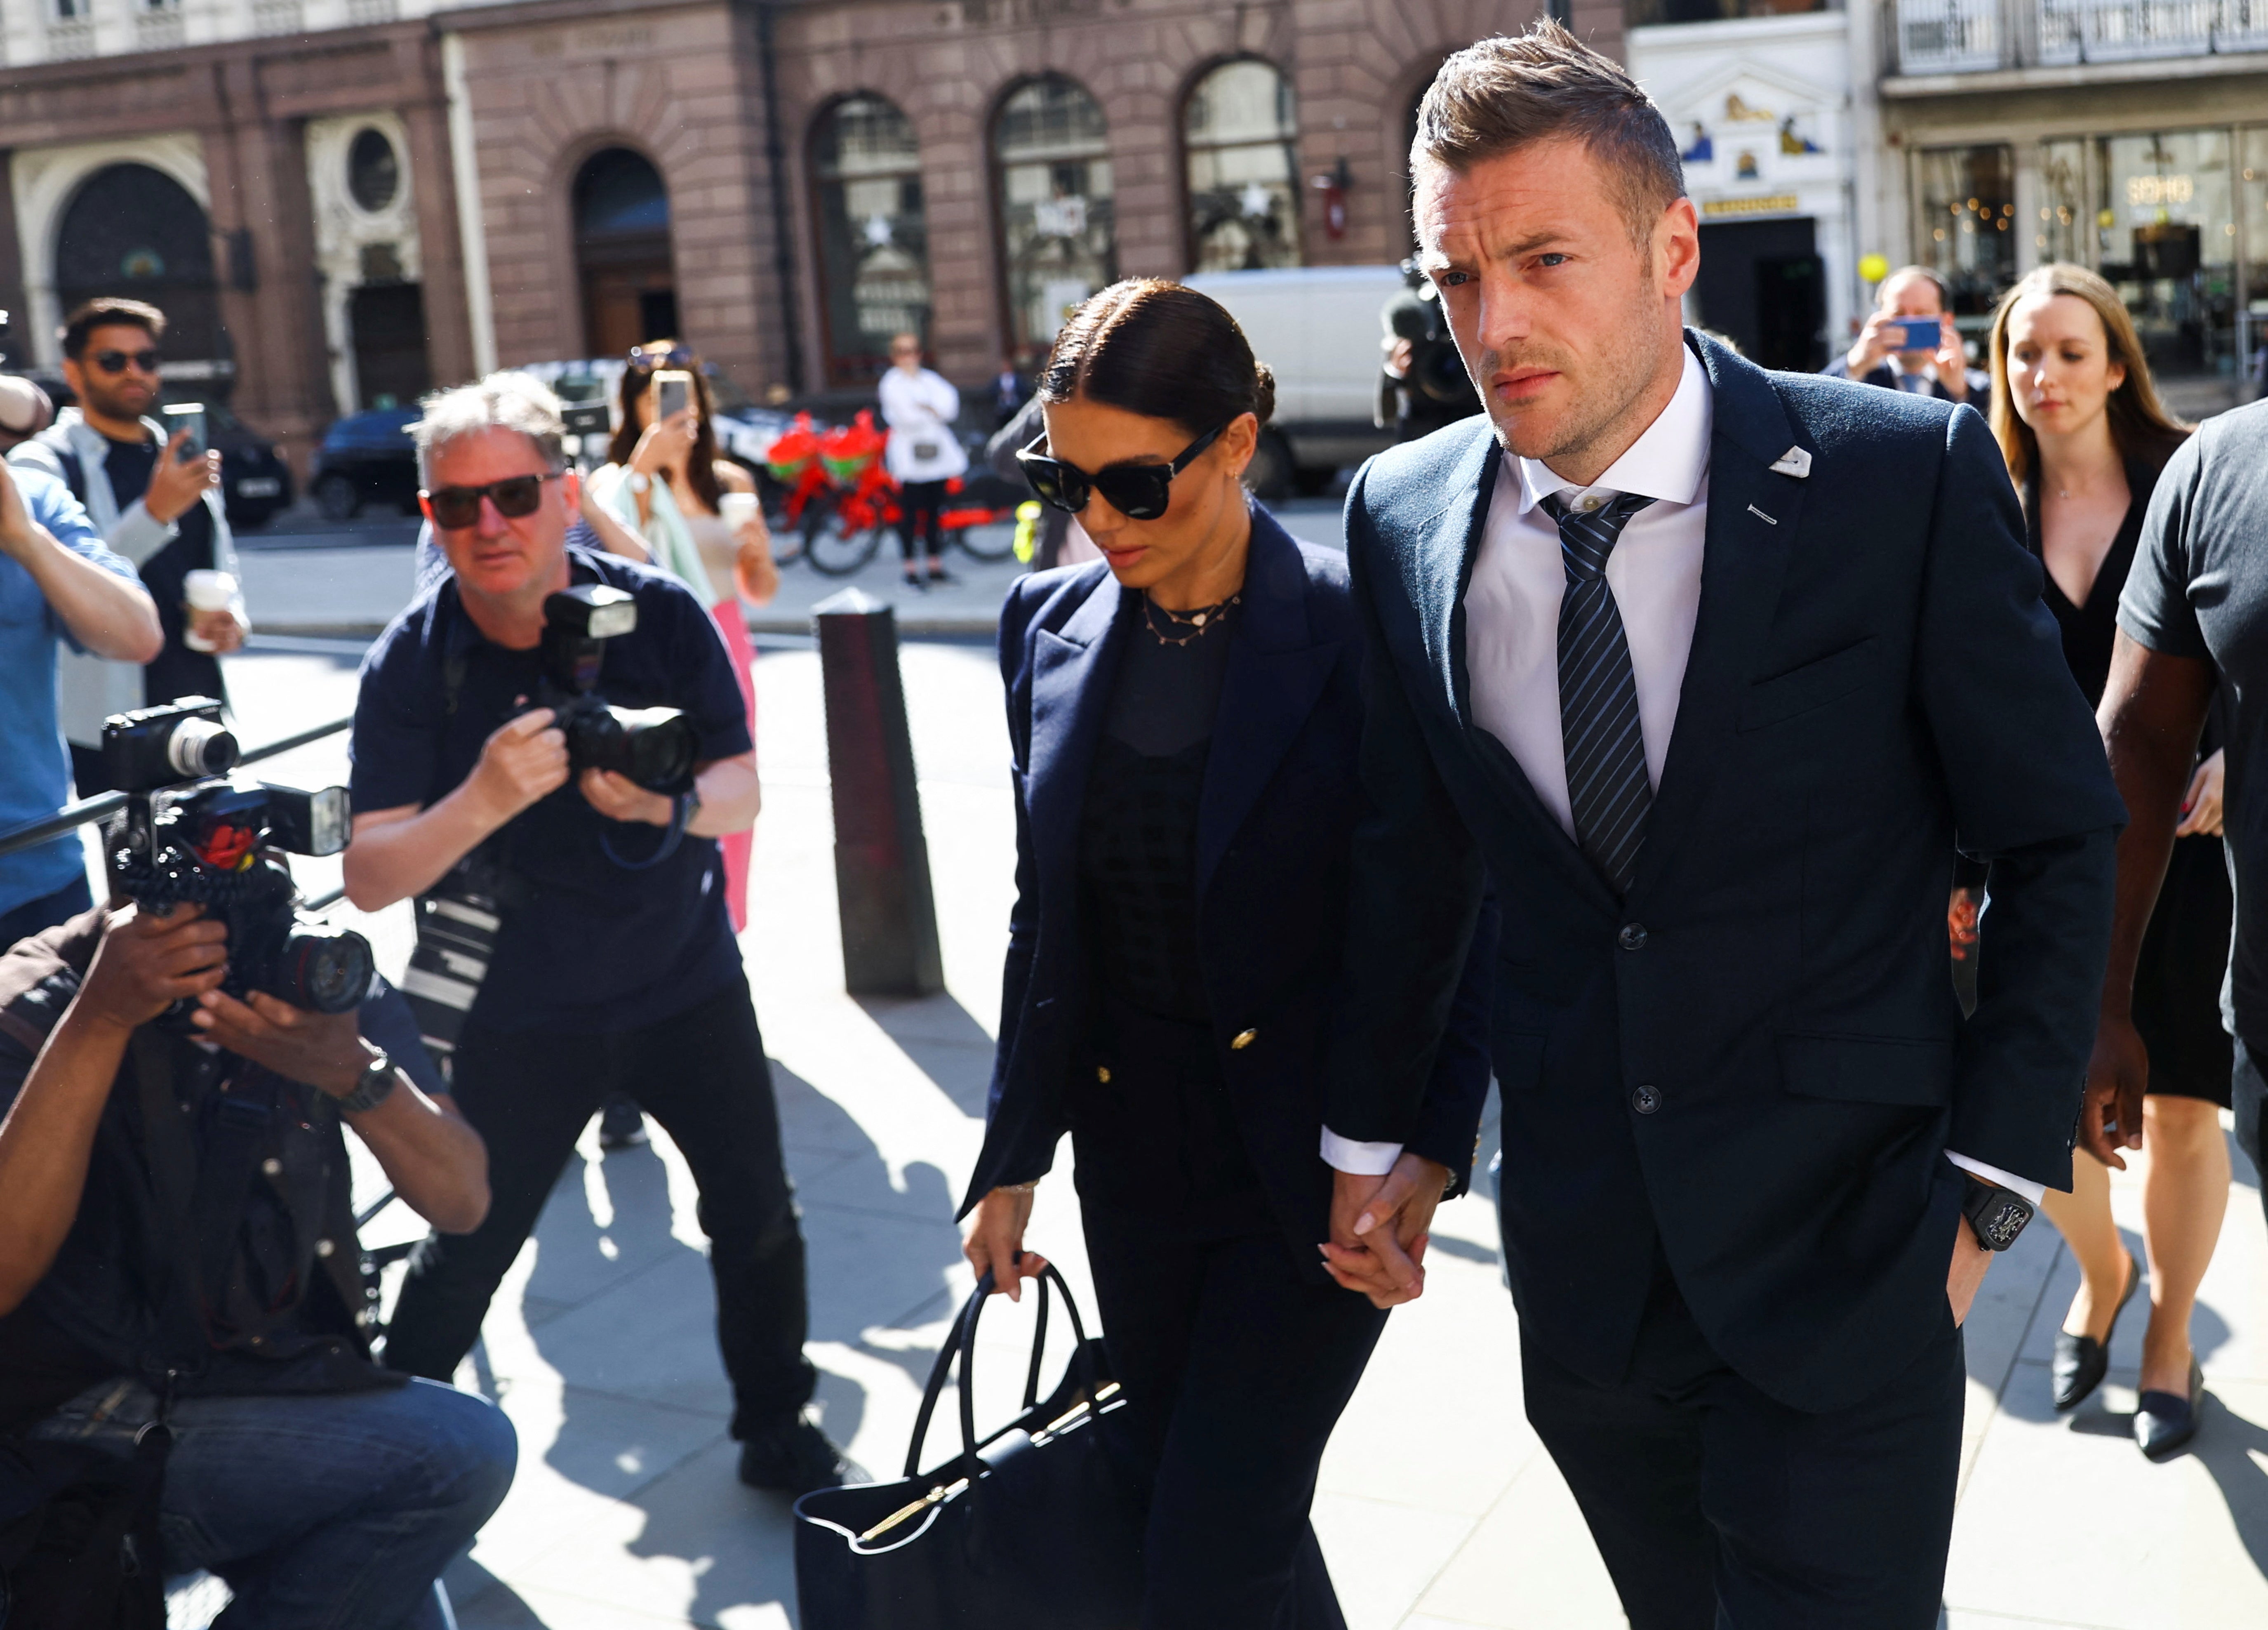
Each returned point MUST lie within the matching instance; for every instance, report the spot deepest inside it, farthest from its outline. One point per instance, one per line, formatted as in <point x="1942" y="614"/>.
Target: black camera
<point x="1437" y="376"/>
<point x="189" y="833"/>
<point x="655" y="747"/>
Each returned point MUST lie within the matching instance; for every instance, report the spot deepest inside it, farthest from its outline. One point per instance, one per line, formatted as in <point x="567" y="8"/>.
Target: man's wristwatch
<point x="372" y="1086"/>
<point x="1996" y="1215"/>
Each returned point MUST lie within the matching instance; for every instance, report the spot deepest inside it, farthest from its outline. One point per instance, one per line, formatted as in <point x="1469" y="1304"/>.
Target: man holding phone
<point x="1909" y="344"/>
<point x="152" y="490"/>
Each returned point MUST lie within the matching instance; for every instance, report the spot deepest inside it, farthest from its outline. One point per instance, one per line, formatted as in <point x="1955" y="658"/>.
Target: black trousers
<point x="1717" y="1508"/>
<point x="918" y="503"/>
<point x="703" y="1076"/>
<point x="1236" y="1368"/>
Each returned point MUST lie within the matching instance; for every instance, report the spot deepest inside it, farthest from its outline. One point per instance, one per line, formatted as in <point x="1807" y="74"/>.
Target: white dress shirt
<point x="1511" y="628"/>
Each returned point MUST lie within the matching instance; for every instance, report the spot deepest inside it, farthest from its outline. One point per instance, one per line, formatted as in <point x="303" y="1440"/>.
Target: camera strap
<point x="681" y="812"/>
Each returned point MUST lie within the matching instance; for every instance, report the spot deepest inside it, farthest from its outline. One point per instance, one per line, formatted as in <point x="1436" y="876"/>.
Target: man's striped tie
<point x="1599" y="730"/>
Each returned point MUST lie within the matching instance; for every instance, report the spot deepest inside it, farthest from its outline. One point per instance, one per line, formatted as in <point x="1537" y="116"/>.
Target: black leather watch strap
<point x="1996" y="1215"/>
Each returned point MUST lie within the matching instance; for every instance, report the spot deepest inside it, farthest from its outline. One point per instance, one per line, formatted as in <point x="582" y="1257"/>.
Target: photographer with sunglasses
<point x="604" y="975"/>
<point x="155" y="501"/>
<point x="1186" y="718"/>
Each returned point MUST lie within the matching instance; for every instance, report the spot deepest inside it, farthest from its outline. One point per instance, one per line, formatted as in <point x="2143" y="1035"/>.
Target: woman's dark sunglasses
<point x="455" y="508"/>
<point x="116" y="361"/>
<point x="1138" y="492"/>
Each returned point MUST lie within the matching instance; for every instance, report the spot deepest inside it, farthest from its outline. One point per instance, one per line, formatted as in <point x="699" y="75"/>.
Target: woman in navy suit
<point x="1186" y="717"/>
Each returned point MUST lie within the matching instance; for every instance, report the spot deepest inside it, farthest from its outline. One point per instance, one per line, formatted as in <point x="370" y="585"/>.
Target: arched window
<point x="135" y="230"/>
<point x="1051" y="177"/>
<point x="622" y="252"/>
<point x="1237" y="134"/>
<point x="873" y="248"/>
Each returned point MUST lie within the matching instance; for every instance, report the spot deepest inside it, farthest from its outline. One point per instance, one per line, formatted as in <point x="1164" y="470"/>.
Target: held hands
<point x="324" y="1050"/>
<point x="2117" y="1075"/>
<point x="754" y="572"/>
<point x="2201" y="804"/>
<point x="175" y="485"/>
<point x="147" y="963"/>
<point x="996" y="1242"/>
<point x="222" y="630"/>
<point x="1381" y="1227"/>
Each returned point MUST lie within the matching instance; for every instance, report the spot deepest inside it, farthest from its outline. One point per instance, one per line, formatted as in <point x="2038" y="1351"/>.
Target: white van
<point x="1317" y="329"/>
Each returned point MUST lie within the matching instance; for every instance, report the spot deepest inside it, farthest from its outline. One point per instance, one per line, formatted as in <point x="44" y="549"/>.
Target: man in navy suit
<point x="1710" y="670"/>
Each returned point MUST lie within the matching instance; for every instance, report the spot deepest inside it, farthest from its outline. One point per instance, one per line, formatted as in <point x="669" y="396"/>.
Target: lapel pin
<point x="1795" y="461"/>
<point x="1760" y="515"/>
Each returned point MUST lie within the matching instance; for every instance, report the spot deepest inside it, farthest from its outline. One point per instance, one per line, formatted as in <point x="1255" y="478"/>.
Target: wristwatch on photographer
<point x="1996" y="1215"/>
<point x="372" y="1086"/>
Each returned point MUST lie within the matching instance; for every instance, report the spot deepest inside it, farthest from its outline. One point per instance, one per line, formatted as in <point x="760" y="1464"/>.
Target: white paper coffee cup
<point x="737" y="508"/>
<point x="206" y="590"/>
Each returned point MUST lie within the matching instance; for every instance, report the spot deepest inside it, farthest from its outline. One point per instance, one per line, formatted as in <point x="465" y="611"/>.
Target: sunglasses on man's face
<point x="117" y="361"/>
<point x="1138" y="492"/>
<point x="515" y="497"/>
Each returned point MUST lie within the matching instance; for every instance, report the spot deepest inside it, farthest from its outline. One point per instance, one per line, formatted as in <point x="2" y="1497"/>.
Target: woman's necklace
<point x="1196" y="622"/>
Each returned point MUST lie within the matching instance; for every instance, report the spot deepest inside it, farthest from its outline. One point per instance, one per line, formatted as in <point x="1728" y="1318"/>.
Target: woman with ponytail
<point x="1185" y="716"/>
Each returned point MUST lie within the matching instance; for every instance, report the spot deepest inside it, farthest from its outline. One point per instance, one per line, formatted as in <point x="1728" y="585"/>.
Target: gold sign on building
<point x="1778" y="204"/>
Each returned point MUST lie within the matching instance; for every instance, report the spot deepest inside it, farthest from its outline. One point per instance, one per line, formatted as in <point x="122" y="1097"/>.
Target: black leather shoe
<point x="795" y="1460"/>
<point x="2081" y="1361"/>
<point x="2164" y="1421"/>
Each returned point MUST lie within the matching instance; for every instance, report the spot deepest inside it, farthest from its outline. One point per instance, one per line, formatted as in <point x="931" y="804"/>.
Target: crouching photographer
<point x="546" y="744"/>
<point x="184" y="1382"/>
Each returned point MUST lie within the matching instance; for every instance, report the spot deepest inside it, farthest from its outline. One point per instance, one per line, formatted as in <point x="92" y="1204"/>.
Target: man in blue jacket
<point x="1710" y="670"/>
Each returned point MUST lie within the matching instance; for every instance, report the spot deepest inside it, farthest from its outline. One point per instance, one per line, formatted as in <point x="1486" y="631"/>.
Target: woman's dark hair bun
<point x="1163" y="350"/>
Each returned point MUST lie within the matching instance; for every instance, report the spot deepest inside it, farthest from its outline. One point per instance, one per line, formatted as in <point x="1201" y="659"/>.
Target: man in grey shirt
<point x="2194" y="614"/>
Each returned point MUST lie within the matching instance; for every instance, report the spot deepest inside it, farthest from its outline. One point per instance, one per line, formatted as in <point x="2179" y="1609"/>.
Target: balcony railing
<point x="1973" y="36"/>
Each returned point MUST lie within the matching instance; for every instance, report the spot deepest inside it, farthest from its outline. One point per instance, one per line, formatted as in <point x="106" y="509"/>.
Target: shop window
<point x="2166" y="237"/>
<point x="1967" y="227"/>
<point x="1052" y="187"/>
<point x="1237" y="133"/>
<point x="2252" y="239"/>
<point x="873" y="248"/>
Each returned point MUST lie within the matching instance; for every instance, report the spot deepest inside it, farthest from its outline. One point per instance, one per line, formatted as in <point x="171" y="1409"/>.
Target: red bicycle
<point x="841" y="500"/>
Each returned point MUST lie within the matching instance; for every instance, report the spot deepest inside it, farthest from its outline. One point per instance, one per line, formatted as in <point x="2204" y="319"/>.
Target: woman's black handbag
<point x="1037" y="1526"/>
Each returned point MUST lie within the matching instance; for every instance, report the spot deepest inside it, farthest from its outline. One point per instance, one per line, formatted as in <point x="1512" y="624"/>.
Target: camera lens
<point x="199" y="747"/>
<point x="322" y="969"/>
<point x="656" y="747"/>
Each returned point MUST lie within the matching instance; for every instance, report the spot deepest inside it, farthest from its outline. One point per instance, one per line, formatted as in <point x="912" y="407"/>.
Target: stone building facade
<point x="774" y="181"/>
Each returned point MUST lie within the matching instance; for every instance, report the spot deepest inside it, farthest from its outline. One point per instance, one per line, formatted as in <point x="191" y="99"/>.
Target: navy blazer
<point x="1753" y="1063"/>
<point x="1276" y="819"/>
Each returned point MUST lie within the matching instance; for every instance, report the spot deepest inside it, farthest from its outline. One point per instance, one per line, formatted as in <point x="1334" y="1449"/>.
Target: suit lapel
<point x="1071" y="671"/>
<point x="1753" y="516"/>
<point x="1276" y="671"/>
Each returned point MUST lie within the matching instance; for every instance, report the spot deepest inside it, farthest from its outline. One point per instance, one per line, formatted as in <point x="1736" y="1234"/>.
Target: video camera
<point x="192" y="832"/>
<point x="1437" y="373"/>
<point x="655" y="747"/>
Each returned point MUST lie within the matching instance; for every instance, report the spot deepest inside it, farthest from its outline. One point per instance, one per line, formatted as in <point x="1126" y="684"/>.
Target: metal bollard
<point x="881" y="862"/>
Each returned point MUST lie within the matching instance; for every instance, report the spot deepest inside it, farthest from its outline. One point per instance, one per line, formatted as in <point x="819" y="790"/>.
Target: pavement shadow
<point x="2234" y="1450"/>
<point x="944" y="1041"/>
<point x="623" y="1308"/>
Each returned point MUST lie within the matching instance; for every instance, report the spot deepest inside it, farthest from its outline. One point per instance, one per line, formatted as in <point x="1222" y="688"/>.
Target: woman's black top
<point x="2090" y="629"/>
<point x="1138" y="831"/>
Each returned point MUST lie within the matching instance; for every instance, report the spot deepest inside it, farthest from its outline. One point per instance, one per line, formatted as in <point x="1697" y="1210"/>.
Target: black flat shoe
<point x="795" y="1459"/>
<point x="2164" y="1421"/>
<point x="2081" y="1361"/>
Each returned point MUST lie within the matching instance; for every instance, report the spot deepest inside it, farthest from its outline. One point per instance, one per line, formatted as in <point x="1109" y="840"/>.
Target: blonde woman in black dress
<point x="2084" y="436"/>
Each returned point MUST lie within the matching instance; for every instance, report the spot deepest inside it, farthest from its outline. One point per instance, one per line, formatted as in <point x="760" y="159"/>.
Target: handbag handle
<point x="963" y="1340"/>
